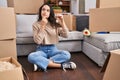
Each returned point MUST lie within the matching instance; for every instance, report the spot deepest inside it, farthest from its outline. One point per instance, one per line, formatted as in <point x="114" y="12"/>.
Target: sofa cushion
<point x="25" y="35"/>
<point x="25" y="38"/>
<point x="73" y="35"/>
<point x="24" y="23"/>
<point x="106" y="42"/>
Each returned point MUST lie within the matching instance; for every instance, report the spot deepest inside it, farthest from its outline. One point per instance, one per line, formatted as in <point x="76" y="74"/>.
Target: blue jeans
<point x="45" y="53"/>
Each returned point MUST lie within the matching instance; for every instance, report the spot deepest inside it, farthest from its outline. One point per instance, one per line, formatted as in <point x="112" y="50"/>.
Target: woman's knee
<point x="31" y="56"/>
<point x="67" y="54"/>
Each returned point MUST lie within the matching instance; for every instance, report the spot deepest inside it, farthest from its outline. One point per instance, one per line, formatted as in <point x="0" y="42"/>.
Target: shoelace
<point x="68" y="65"/>
<point x="64" y="69"/>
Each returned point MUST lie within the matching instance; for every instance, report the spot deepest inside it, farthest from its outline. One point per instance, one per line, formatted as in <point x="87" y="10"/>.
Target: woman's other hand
<point x="59" y="18"/>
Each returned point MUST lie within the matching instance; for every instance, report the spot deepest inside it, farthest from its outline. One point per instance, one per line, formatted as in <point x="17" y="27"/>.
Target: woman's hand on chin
<point x="43" y="22"/>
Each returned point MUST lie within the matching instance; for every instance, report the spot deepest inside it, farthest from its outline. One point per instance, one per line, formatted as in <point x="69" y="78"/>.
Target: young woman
<point x="45" y="33"/>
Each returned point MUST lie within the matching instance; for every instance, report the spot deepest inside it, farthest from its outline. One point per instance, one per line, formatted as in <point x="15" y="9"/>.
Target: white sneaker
<point x="68" y="65"/>
<point x="35" y="67"/>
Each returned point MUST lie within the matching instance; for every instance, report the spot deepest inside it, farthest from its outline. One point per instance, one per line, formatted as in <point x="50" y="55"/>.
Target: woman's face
<point x="45" y="13"/>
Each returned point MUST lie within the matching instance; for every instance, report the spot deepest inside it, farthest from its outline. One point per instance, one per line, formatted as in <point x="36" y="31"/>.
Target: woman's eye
<point x="43" y="9"/>
<point x="48" y="10"/>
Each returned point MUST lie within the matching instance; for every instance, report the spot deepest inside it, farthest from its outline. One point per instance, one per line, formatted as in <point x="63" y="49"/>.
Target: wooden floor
<point x="86" y="70"/>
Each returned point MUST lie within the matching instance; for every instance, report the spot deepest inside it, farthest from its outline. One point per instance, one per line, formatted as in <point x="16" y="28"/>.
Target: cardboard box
<point x="15" y="74"/>
<point x="7" y="23"/>
<point x="7" y="33"/>
<point x="113" y="68"/>
<point x="8" y="48"/>
<point x="104" y="19"/>
<point x="74" y="23"/>
<point x="109" y="3"/>
<point x="25" y="6"/>
<point x="70" y="21"/>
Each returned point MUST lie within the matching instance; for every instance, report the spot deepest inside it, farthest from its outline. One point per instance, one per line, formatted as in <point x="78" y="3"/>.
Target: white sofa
<point x="98" y="46"/>
<point x="25" y="43"/>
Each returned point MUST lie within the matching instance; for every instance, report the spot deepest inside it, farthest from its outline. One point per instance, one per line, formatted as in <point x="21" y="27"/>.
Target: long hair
<point x="51" y="17"/>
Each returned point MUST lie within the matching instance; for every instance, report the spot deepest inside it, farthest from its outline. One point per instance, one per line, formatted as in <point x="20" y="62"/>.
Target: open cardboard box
<point x="15" y="74"/>
<point x="112" y="66"/>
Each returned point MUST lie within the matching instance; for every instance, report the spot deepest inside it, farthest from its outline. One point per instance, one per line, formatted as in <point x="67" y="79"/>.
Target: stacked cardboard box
<point x="109" y="3"/>
<point x="104" y="19"/>
<point x="8" y="44"/>
<point x="25" y="6"/>
<point x="7" y="33"/>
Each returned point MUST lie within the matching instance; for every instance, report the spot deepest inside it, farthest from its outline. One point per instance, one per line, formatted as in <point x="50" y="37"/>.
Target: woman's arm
<point x="63" y="31"/>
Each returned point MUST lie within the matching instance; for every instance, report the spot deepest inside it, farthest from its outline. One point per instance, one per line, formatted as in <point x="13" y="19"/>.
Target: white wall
<point x="89" y="4"/>
<point x="3" y="3"/>
<point x="75" y="6"/>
